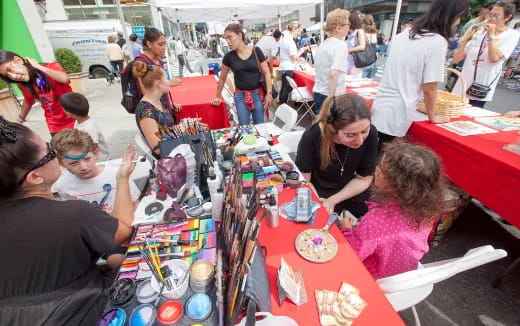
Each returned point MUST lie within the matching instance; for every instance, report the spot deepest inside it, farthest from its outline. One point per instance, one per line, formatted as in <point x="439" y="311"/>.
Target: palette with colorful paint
<point x="316" y="245"/>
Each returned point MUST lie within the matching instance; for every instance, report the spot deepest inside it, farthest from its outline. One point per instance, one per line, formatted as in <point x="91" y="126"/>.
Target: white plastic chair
<point x="303" y="96"/>
<point x="227" y="95"/>
<point x="284" y="120"/>
<point x="407" y="289"/>
<point x="288" y="141"/>
<point x="142" y="144"/>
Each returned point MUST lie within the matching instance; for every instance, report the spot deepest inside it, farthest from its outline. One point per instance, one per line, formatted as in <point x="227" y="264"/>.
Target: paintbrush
<point x="177" y="242"/>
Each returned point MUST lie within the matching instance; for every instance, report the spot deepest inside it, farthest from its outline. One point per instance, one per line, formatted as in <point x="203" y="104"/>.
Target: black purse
<point x="366" y="57"/>
<point x="262" y="79"/>
<point x="478" y="90"/>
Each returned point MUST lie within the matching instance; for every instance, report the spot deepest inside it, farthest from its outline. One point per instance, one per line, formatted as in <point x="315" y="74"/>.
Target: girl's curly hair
<point x="411" y="176"/>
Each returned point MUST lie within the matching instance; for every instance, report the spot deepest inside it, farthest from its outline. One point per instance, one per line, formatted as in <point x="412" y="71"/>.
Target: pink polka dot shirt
<point x="386" y="241"/>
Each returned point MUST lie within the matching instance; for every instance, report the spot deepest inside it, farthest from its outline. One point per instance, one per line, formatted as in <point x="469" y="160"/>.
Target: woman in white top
<point x="289" y="55"/>
<point x="356" y="42"/>
<point x="115" y="55"/>
<point x="369" y="26"/>
<point x="490" y="45"/>
<point x="414" y="68"/>
<point x="330" y="60"/>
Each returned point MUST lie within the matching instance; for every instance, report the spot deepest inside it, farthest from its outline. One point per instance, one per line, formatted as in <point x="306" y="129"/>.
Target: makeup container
<point x="143" y="315"/>
<point x="113" y="317"/>
<point x="145" y="292"/>
<point x="170" y="313"/>
<point x="198" y="307"/>
<point x="201" y="276"/>
<point x="122" y="292"/>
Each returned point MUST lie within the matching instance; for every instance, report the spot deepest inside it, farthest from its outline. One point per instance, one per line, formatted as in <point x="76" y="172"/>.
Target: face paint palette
<point x="316" y="245"/>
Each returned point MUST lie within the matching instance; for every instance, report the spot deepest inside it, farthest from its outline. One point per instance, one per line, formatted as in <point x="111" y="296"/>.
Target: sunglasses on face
<point x="51" y="155"/>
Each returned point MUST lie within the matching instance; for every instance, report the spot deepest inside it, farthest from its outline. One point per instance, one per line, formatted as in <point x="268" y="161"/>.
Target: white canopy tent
<point x="230" y="10"/>
<point x="314" y="28"/>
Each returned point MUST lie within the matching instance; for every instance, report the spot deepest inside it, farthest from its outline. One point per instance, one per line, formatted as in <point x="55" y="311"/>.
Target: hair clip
<point x="7" y="131"/>
<point x="41" y="82"/>
<point x="149" y="67"/>
<point x="332" y="114"/>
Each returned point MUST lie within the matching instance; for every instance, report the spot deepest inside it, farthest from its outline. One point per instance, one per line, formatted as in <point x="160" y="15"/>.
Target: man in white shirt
<point x="181" y="52"/>
<point x="270" y="47"/>
<point x="288" y="57"/>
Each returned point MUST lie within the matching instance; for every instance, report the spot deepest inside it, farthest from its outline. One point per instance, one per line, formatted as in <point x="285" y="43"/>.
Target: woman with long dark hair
<point x="53" y="246"/>
<point x="43" y="82"/>
<point x="337" y="154"/>
<point x="414" y="68"/>
<point x="248" y="65"/>
<point x="154" y="46"/>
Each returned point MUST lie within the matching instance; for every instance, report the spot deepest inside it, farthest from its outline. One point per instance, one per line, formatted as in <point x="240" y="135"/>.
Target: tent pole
<point x="322" y="15"/>
<point x="396" y="18"/>
<point x="121" y="18"/>
<point x="161" y="26"/>
<point x="279" y="22"/>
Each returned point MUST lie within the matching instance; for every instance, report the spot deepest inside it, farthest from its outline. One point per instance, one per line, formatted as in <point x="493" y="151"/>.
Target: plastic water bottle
<point x="216" y="201"/>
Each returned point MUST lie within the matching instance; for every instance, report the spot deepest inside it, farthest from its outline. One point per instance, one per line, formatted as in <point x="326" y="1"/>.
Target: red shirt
<point x="50" y="101"/>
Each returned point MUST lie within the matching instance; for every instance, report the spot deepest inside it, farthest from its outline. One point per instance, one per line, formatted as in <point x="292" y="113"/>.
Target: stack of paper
<point x="339" y="308"/>
<point x="466" y="128"/>
<point x="291" y="284"/>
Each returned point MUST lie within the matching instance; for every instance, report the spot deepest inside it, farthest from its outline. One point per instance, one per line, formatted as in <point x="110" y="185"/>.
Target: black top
<point x="360" y="161"/>
<point x="48" y="244"/>
<point x="246" y="73"/>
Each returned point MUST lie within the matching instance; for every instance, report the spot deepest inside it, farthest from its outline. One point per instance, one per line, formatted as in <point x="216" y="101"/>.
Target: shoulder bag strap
<point x="478" y="56"/>
<point x="256" y="58"/>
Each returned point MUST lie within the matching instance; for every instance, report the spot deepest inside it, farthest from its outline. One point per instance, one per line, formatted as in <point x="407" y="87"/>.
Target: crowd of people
<point x="349" y="154"/>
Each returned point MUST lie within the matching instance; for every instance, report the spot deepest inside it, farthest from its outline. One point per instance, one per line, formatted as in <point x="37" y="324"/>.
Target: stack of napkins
<point x="290" y="284"/>
<point x="339" y="308"/>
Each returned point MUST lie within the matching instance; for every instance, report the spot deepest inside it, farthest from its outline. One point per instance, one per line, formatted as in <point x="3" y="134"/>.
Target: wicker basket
<point x="448" y="104"/>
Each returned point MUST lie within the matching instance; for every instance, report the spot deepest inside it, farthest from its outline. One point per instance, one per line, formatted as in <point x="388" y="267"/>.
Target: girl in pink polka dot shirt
<point x="392" y="236"/>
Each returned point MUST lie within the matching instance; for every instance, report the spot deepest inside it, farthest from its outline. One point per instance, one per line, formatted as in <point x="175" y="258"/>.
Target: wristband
<point x="492" y="38"/>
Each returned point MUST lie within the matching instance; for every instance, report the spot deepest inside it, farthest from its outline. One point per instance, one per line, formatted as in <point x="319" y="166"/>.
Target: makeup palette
<point x="201" y="276"/>
<point x="199" y="307"/>
<point x="113" y="317"/>
<point x="143" y="315"/>
<point x="170" y="313"/>
<point x="145" y="293"/>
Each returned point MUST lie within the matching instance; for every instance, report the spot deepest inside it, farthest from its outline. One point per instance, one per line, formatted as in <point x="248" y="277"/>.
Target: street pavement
<point x="465" y="299"/>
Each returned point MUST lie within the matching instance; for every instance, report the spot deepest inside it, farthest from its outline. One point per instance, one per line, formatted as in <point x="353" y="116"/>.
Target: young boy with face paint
<point x="83" y="179"/>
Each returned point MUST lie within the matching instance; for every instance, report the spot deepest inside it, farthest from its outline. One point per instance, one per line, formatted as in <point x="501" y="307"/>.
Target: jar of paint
<point x="201" y="276"/>
<point x="122" y="292"/>
<point x="145" y="293"/>
<point x="170" y="313"/>
<point x="113" y="317"/>
<point x="143" y="315"/>
<point x="199" y="307"/>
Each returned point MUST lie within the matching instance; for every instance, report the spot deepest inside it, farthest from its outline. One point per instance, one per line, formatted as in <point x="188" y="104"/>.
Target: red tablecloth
<point x="195" y="95"/>
<point x="304" y="79"/>
<point x="346" y="266"/>
<point x="478" y="164"/>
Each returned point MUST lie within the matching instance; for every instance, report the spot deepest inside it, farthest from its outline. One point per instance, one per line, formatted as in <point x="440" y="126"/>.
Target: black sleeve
<point x="368" y="162"/>
<point x="259" y="54"/>
<point x="227" y="59"/>
<point x="97" y="228"/>
<point x="307" y="151"/>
